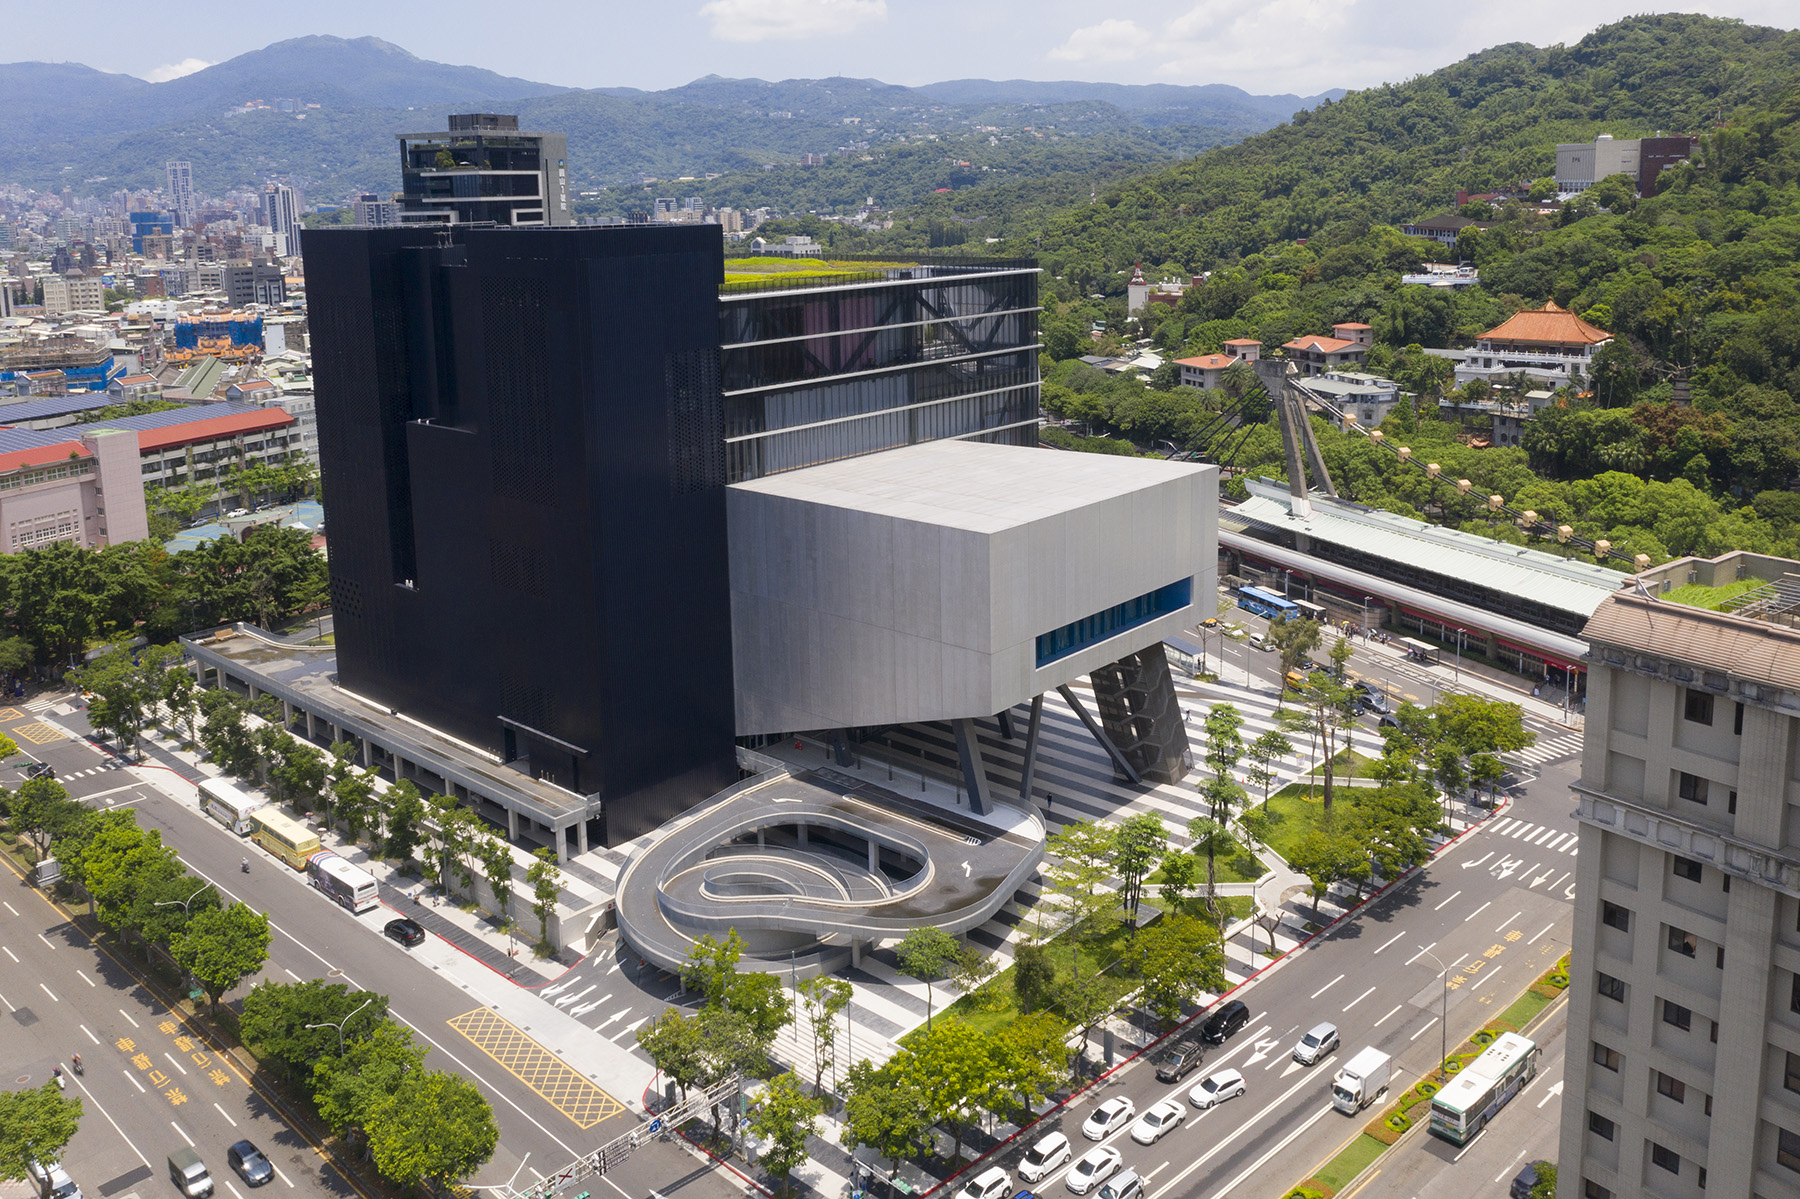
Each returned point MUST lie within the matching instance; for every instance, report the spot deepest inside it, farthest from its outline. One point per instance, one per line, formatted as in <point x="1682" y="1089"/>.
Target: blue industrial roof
<point x="46" y="406"/>
<point x="25" y="439"/>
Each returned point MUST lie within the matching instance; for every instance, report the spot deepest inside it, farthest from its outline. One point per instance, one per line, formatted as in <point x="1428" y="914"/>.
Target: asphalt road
<point x="312" y="938"/>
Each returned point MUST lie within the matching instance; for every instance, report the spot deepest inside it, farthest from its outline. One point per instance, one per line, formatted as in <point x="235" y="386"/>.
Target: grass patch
<point x="994" y="1005"/>
<point x="1347" y="765"/>
<point x="1698" y="595"/>
<point x="1341" y="1170"/>
<point x="1232" y="863"/>
<point x="1296" y="810"/>
<point x="1236" y="907"/>
<point x="1524" y="1009"/>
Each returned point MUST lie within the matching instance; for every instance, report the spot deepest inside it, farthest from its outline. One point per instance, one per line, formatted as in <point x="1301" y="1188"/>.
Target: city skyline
<point x="1270" y="47"/>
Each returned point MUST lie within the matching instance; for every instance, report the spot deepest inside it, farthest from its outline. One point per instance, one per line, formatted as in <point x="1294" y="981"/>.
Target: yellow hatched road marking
<point x="39" y="733"/>
<point x="11" y="714"/>
<point x="560" y="1084"/>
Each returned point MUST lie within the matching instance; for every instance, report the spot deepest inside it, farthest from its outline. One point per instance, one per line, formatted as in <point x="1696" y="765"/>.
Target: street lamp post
<point x="340" y="1024"/>
<point x="1457" y="676"/>
<point x="1365" y="618"/>
<point x="183" y="903"/>
<point x="1444" y="1013"/>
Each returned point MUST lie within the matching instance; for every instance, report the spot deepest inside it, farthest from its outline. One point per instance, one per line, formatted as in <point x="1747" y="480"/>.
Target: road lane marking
<point x="9" y="953"/>
<point x="1155" y="1172"/>
<point x="1384" y="1019"/>
<point x="1260" y="1162"/>
<point x="1507" y="923"/>
<point x="1334" y="982"/>
<point x="1359" y="999"/>
<point x="46" y="940"/>
<point x="1440" y="907"/>
<point x="1422" y="1029"/>
<point x="8" y="1003"/>
<point x="184" y="1136"/>
<point x="50" y="993"/>
<point x="1478" y="861"/>
<point x="10" y="908"/>
<point x="1553" y="1092"/>
<point x="175" y="1063"/>
<point x="1501" y="1177"/>
<point x="1415" y="957"/>
<point x="90" y="1098"/>
<point x="1388" y="942"/>
<point x="234" y="1190"/>
<point x="293" y="976"/>
<point x="227" y="1116"/>
<point x="1559" y="882"/>
<point x="557" y="1082"/>
<point x="1543" y="930"/>
<point x="282" y="1176"/>
<point x="1255" y="1122"/>
<point x="127" y="1015"/>
<point x="1478" y="911"/>
<point x="84" y="978"/>
<point x="134" y="1081"/>
<point x="90" y="1036"/>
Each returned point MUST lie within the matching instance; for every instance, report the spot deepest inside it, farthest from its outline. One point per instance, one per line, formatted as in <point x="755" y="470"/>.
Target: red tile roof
<point x="40" y="455"/>
<point x="212" y="428"/>
<point x="1549" y="325"/>
<point x="135" y="380"/>
<point x="1243" y="341"/>
<point x="1348" y="325"/>
<point x="1210" y="362"/>
<point x="1321" y="345"/>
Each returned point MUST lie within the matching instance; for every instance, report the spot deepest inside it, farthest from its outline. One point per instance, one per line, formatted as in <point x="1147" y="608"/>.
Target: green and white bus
<point x="1465" y="1105"/>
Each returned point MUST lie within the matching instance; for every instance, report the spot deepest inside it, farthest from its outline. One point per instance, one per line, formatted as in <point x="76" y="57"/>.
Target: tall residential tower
<point x="484" y="168"/>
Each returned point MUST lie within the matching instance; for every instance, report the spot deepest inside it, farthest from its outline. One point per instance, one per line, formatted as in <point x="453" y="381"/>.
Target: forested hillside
<point x="1700" y="284"/>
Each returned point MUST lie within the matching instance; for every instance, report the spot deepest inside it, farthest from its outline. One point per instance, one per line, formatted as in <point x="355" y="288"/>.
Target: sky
<point x="1263" y="46"/>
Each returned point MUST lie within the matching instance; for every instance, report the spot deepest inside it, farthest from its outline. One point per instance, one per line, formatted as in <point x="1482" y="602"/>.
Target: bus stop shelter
<point x="1424" y="651"/>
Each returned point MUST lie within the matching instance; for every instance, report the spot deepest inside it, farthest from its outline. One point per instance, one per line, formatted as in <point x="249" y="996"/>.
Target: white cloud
<point x="789" y="20"/>
<point x="176" y="70"/>
<point x="1109" y="41"/>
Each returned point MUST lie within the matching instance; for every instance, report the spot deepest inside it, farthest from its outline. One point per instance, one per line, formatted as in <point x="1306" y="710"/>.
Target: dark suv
<point x="1230" y="1017"/>
<point x="1177" y="1060"/>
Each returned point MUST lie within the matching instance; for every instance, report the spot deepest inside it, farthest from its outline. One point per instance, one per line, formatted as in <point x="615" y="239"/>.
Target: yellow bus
<point x="284" y="836"/>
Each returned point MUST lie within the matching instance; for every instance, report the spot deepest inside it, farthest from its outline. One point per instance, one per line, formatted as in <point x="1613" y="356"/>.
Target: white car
<point x="1157" y="1119"/>
<point x="1045" y="1156"/>
<point x="992" y="1183"/>
<point x="1108" y="1118"/>
<point x="1216" y="1088"/>
<point x="1094" y="1168"/>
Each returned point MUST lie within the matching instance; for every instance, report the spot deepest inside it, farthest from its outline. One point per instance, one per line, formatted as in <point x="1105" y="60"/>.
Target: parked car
<point x="40" y="770"/>
<point x="250" y="1164"/>
<point x="1319" y="1040"/>
<point x="1095" y="1167"/>
<point x="408" y="932"/>
<point x="1524" y="1180"/>
<point x="51" y="1180"/>
<point x="1108" y="1118"/>
<point x="1370" y="698"/>
<point x="1157" y="1120"/>
<point x="1216" y="1088"/>
<point x="1174" y="1063"/>
<point x="991" y="1183"/>
<point x="1043" y="1157"/>
<point x="1229" y="1018"/>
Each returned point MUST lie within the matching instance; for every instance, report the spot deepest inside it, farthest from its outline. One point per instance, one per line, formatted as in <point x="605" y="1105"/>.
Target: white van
<point x="52" y="1181"/>
<point x="1258" y="640"/>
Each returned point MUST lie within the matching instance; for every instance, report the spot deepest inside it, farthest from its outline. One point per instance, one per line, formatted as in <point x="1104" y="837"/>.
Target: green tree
<point x="762" y="1002"/>
<point x="1333" y="709"/>
<point x="348" y="1090"/>
<point x="1340" y="655"/>
<point x="925" y="953"/>
<point x="41" y="810"/>
<point x="35" y="1125"/>
<point x="160" y="911"/>
<point x="1032" y="1056"/>
<point x="885" y="1109"/>
<point x="545" y="877"/>
<point x="354" y="800"/>
<point x="1177" y="958"/>
<point x="1545" y="1186"/>
<point x="822" y="1000"/>
<point x="676" y="1045"/>
<point x="222" y="947"/>
<point x="955" y="1069"/>
<point x="405" y="820"/>
<point x="1327" y="856"/>
<point x="1180" y="880"/>
<point x="497" y="864"/>
<point x="434" y="1130"/>
<point x="1138" y="844"/>
<point x="1270" y="746"/>
<point x="784" y="1116"/>
<point x="1084" y="1006"/>
<point x="1080" y="866"/>
<point x="1034" y="977"/>
<point x="276" y="1015"/>
<point x="711" y="966"/>
<point x="1294" y="639"/>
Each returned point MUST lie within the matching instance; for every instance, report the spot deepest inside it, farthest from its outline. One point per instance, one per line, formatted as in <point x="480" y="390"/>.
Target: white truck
<point x="1362" y="1081"/>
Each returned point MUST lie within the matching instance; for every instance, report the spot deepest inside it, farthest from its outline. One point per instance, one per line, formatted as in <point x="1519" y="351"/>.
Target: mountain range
<point x="94" y="131"/>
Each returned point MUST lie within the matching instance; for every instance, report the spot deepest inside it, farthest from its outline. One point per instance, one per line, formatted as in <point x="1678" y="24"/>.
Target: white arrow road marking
<point x="632" y="1027"/>
<point x="966" y="873"/>
<point x="1262" y="1051"/>
<point x="1542" y="877"/>
<point x="612" y="1019"/>
<point x="574" y="997"/>
<point x="1553" y="1092"/>
<point x="1510" y="864"/>
<point x="559" y="988"/>
<point x="1478" y="861"/>
<point x="1570" y="893"/>
<point x="1291" y="1067"/>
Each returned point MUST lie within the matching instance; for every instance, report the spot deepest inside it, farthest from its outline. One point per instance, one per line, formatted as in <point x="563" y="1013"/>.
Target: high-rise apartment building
<point x="281" y="213"/>
<point x="484" y="169"/>
<point x="181" y="194"/>
<point x="74" y="292"/>
<point x="1683" y="1060"/>
<point x="370" y="211"/>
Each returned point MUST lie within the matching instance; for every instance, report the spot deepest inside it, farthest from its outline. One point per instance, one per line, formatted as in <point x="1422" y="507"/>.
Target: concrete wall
<point x="843" y="617"/>
<point x="121" y="485"/>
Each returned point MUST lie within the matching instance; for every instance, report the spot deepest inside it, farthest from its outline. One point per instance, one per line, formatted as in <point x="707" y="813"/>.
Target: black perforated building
<point x="522" y="449"/>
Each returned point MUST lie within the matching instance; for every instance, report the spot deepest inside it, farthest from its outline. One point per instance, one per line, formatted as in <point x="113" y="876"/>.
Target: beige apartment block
<point x="1683" y="1059"/>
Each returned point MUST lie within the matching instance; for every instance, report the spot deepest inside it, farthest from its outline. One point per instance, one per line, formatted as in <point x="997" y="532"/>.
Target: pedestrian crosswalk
<point x="1548" y="749"/>
<point x="1538" y="836"/>
<point x="110" y="764"/>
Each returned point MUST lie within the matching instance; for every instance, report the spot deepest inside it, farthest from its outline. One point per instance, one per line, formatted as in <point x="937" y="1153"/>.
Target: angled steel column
<point x="1112" y="751"/>
<point x="968" y="752"/>
<point x="1006" y="720"/>
<point x="1031" y="744"/>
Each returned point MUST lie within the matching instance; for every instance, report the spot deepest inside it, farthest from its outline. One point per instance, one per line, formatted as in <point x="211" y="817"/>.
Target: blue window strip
<point x="1091" y="630"/>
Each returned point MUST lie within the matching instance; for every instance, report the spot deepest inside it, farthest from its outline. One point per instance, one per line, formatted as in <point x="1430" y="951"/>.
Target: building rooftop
<point x="1577" y="587"/>
<point x="160" y="430"/>
<point x="1208" y="361"/>
<point x="970" y="485"/>
<point x="1721" y="642"/>
<point x="59" y="451"/>
<point x="1549" y="325"/>
<point x="1321" y="345"/>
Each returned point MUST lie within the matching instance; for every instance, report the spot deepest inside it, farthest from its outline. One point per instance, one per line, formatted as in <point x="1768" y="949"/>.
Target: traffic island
<point x="1400" y="1117"/>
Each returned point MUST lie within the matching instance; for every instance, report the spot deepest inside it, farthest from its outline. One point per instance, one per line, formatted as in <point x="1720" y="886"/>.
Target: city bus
<point x="343" y="881"/>
<point x="1466" y="1104"/>
<point x="223" y="801"/>
<point x="1310" y="610"/>
<point x="284" y="836"/>
<point x="1265" y="603"/>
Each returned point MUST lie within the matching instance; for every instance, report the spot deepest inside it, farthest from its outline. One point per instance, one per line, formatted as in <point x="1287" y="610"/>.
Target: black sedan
<point x="405" y="931"/>
<point x="249" y="1163"/>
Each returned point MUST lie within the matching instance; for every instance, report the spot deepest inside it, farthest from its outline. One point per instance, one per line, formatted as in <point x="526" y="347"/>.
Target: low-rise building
<point x="1443" y="275"/>
<point x="127" y="388"/>
<point x="1445" y="227"/>
<point x="1360" y="398"/>
<point x="1316" y="355"/>
<point x="1549" y="345"/>
<point x="74" y="292"/>
<point x="83" y="489"/>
